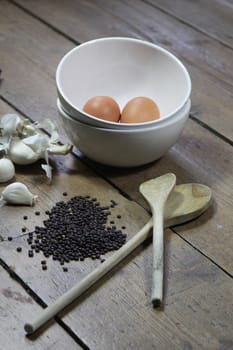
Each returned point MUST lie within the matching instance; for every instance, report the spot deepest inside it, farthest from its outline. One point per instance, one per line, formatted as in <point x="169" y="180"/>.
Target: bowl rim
<point x="75" y="109"/>
<point x="167" y="123"/>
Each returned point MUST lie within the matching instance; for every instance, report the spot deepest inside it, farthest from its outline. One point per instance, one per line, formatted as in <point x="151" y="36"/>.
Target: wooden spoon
<point x="156" y="192"/>
<point x="185" y="203"/>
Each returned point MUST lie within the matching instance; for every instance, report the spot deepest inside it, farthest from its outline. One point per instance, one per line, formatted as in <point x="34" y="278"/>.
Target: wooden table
<point x="117" y="313"/>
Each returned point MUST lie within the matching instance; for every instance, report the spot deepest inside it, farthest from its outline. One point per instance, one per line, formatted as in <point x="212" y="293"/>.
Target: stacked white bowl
<point x="122" y="68"/>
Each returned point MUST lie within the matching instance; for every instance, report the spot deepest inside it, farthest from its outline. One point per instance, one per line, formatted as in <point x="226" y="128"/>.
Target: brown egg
<point x="103" y="107"/>
<point x="139" y="110"/>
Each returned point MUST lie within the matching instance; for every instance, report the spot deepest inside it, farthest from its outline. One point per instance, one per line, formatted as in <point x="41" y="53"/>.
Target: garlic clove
<point x="21" y="154"/>
<point x="18" y="193"/>
<point x="7" y="170"/>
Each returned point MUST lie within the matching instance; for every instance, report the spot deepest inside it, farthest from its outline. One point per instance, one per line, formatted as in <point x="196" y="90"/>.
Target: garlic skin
<point x="38" y="143"/>
<point x="9" y="124"/>
<point x="7" y="170"/>
<point x="17" y="193"/>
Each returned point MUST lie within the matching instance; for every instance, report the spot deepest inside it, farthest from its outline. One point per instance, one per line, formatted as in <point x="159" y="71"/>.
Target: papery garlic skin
<point x="7" y="170"/>
<point x="18" y="193"/>
<point x="5" y="141"/>
<point x="38" y="143"/>
<point x="9" y="124"/>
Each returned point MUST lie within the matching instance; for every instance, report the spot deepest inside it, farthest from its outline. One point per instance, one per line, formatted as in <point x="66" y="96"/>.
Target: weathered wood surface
<point x="15" y="306"/>
<point x="117" y="313"/>
<point x="213" y="17"/>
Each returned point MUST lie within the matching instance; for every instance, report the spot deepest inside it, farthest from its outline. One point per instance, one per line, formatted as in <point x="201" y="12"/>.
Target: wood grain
<point x="213" y="17"/>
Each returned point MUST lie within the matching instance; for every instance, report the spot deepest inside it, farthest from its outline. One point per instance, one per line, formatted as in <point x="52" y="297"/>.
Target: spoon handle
<point x="158" y="259"/>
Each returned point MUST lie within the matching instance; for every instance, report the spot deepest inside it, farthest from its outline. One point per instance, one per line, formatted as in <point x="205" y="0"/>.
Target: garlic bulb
<point x="7" y="170"/>
<point x="17" y="193"/>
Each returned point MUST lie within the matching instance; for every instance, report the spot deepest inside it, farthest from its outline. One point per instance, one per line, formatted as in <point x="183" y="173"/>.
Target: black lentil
<point x="9" y="238"/>
<point x="113" y="204"/>
<point x="25" y="217"/>
<point x="30" y="253"/>
<point x="19" y="249"/>
<point x="65" y="193"/>
<point x="37" y="213"/>
<point x="23" y="229"/>
<point x="65" y="269"/>
<point x="44" y="267"/>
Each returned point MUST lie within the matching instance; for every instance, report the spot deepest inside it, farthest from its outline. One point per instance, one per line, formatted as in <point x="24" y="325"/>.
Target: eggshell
<point x="139" y="110"/>
<point x="103" y="107"/>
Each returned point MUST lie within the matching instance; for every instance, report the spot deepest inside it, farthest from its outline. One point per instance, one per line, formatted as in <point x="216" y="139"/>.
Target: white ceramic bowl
<point x="124" y="148"/>
<point x="122" y="68"/>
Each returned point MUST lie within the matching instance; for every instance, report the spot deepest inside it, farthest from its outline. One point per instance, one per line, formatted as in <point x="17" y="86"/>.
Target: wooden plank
<point x="213" y="17"/>
<point x="16" y="306"/>
<point x="207" y="60"/>
<point x="28" y="61"/>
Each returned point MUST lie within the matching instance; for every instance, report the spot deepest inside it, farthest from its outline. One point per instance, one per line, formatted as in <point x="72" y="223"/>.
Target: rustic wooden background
<point x="116" y="313"/>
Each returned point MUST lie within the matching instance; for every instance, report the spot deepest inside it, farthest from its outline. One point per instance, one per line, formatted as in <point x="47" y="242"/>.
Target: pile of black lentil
<point x="75" y="230"/>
